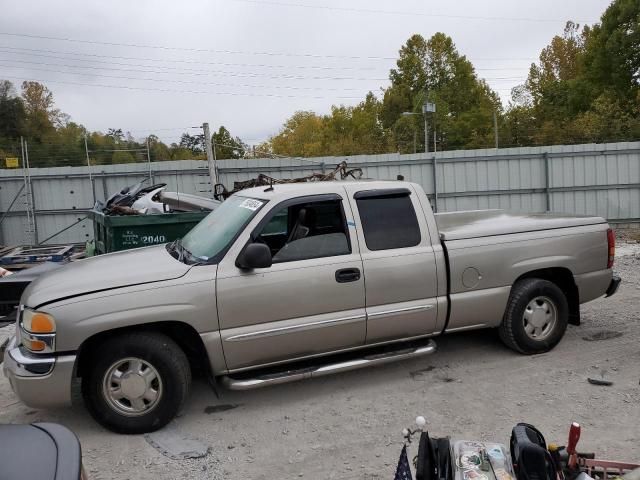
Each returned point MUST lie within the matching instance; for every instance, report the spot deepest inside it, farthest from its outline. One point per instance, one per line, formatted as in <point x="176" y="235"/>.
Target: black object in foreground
<point x="40" y="450"/>
<point x="597" y="381"/>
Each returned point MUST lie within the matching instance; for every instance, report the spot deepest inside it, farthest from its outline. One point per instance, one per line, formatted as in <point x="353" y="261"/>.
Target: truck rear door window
<point x="388" y="221"/>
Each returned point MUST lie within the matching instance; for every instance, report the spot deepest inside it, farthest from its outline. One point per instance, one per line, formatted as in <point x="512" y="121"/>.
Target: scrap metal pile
<point x="139" y="200"/>
<point x="342" y="171"/>
<point x="152" y="200"/>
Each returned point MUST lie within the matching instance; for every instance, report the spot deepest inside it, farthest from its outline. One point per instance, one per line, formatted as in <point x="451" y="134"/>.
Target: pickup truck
<point x="295" y="281"/>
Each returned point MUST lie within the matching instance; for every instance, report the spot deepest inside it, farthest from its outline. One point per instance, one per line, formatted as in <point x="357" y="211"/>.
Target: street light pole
<point x="426" y="134"/>
<point x="427" y="108"/>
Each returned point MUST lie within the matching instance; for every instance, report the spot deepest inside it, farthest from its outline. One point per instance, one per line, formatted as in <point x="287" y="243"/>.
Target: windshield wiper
<point x="182" y="254"/>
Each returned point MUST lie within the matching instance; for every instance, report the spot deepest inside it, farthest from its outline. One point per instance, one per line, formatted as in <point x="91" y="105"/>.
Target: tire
<point x="536" y="316"/>
<point x="150" y="374"/>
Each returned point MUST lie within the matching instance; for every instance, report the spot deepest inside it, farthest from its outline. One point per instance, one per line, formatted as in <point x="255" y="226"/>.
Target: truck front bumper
<point x="39" y="381"/>
<point x="613" y="286"/>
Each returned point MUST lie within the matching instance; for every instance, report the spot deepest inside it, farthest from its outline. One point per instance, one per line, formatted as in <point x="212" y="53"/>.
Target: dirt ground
<point x="349" y="426"/>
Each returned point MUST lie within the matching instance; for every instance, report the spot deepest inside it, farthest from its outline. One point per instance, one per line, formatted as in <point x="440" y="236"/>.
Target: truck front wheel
<point x="137" y="382"/>
<point x="536" y="316"/>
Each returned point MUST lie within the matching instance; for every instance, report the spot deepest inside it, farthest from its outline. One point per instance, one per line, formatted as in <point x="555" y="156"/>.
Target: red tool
<point x="574" y="436"/>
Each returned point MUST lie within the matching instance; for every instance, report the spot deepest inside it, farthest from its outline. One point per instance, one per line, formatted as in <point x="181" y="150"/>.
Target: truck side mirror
<point x="254" y="255"/>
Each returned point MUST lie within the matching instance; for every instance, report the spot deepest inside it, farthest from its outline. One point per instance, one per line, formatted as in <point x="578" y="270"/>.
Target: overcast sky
<point x="158" y="66"/>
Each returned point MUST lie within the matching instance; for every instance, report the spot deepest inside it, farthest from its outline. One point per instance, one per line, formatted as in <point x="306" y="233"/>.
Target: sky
<point x="164" y="67"/>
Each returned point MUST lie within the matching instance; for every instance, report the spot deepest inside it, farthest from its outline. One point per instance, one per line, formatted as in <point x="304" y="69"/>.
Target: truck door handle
<point x="347" y="275"/>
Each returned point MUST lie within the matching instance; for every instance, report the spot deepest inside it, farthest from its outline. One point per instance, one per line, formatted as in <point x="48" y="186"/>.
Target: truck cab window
<point x="307" y="230"/>
<point x="388" y="221"/>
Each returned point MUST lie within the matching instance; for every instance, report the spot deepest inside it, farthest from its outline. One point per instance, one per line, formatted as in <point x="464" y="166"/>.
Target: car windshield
<point x="216" y="231"/>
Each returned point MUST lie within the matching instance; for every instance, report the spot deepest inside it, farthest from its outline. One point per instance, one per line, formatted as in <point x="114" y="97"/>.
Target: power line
<point x="197" y="62"/>
<point x="187" y="49"/>
<point x="232" y="74"/>
<point x="406" y="13"/>
<point x="263" y="65"/>
<point x="205" y="50"/>
<point x="190" y="82"/>
<point x="126" y="87"/>
<point x="200" y="72"/>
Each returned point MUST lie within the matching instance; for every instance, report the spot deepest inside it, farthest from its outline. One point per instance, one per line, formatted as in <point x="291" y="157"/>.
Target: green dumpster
<point x="114" y="233"/>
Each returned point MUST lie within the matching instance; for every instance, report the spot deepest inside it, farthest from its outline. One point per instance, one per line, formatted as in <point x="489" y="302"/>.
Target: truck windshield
<point x="213" y="235"/>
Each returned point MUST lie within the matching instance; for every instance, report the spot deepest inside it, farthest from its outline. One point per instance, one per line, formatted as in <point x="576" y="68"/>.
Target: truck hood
<point x="104" y="272"/>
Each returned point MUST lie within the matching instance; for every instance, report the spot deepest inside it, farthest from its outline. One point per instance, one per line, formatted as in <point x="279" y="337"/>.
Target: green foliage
<point x="346" y="131"/>
<point x="586" y="85"/>
<point x="584" y="88"/>
<point x="54" y="140"/>
<point x="612" y="54"/>
<point x="227" y="146"/>
<point x="122" y="157"/>
<point x="301" y="136"/>
<point x="427" y="70"/>
<point x="12" y="112"/>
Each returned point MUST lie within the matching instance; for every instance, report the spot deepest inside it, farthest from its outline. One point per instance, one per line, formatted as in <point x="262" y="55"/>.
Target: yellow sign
<point x="12" y="162"/>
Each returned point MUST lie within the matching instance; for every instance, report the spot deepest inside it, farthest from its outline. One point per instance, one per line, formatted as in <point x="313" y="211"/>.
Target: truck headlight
<point x="37" y="331"/>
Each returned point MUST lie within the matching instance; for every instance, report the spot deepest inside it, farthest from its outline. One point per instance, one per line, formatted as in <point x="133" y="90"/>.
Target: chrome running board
<point x="293" y="375"/>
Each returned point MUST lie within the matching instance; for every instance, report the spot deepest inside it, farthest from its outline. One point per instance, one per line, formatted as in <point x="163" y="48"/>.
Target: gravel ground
<point x="348" y="426"/>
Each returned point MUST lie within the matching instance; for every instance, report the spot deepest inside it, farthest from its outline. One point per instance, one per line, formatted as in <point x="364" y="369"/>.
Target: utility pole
<point x="93" y="187"/>
<point x="213" y="173"/>
<point x="495" y="126"/>
<point x="149" y="159"/>
<point x="28" y="231"/>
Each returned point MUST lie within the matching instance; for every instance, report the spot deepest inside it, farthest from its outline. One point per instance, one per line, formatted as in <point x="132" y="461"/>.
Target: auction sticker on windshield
<point x="251" y="204"/>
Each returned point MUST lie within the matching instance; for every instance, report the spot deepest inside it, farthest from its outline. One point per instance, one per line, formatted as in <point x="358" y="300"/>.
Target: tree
<point x="41" y="116"/>
<point x="116" y="135"/>
<point x="612" y="57"/>
<point x="158" y="151"/>
<point x="586" y="85"/>
<point x="226" y="145"/>
<point x="194" y="143"/>
<point x="356" y="130"/>
<point x="12" y="112"/>
<point x="301" y="136"/>
<point x="433" y="70"/>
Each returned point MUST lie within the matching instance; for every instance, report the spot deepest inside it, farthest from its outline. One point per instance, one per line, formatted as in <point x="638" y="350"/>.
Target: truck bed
<point x="486" y="223"/>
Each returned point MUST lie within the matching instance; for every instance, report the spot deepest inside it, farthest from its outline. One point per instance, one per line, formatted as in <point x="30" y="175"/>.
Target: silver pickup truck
<point x="297" y="281"/>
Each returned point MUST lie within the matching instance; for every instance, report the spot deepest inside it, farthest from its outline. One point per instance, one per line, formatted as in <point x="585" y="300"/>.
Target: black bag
<point x="434" y="459"/>
<point x="529" y="455"/>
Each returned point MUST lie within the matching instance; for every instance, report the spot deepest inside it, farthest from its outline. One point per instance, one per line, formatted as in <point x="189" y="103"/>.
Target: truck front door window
<point x="389" y="222"/>
<point x="304" y="231"/>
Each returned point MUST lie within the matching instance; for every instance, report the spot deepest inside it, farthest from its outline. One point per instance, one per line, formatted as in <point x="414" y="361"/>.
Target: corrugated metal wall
<point x="62" y="195"/>
<point x="601" y="179"/>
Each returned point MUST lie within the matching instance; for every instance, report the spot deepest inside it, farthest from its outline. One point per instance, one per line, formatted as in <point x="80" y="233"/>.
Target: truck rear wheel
<point x="536" y="316"/>
<point x="137" y="382"/>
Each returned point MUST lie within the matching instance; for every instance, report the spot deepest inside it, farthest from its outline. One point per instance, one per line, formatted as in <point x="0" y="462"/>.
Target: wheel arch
<point x="563" y="278"/>
<point x="185" y="336"/>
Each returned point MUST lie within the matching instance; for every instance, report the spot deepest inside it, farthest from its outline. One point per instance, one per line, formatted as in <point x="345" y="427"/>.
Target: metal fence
<point x="601" y="179"/>
<point x="62" y="195"/>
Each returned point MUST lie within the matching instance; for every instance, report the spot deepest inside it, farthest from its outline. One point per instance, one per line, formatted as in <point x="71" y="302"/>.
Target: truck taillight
<point x="611" y="242"/>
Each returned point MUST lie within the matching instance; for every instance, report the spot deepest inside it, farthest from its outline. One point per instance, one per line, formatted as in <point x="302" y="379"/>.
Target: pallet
<point x="28" y="255"/>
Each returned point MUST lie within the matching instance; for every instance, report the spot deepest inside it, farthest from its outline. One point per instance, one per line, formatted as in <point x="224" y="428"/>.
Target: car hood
<point x="104" y="272"/>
